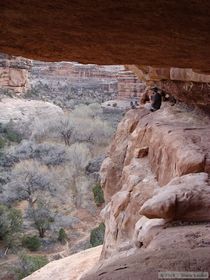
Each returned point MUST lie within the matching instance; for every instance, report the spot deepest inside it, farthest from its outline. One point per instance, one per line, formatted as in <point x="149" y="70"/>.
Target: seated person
<point x="156" y="100"/>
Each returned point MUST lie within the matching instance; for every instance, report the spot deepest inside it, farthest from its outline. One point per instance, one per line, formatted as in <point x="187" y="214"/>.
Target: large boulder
<point x="184" y="198"/>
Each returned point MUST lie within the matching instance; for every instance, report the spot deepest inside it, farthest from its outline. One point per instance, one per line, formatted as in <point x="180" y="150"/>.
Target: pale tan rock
<point x="149" y="73"/>
<point x="25" y="111"/>
<point x="188" y="75"/>
<point x="184" y="198"/>
<point x="18" y="75"/>
<point x="146" y="229"/>
<point x="119" y="202"/>
<point x="69" y="268"/>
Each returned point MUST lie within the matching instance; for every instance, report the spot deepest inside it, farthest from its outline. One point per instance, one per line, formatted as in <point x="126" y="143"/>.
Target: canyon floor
<point x="157" y="216"/>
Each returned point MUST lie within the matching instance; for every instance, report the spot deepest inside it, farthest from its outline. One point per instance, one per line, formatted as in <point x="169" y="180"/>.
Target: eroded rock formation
<point x="67" y="82"/>
<point x="161" y="33"/>
<point x="156" y="183"/>
<point x="14" y="74"/>
<point x="187" y="85"/>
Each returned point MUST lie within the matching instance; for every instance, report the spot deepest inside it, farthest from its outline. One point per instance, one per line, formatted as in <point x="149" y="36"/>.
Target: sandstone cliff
<point x="67" y="83"/>
<point x="156" y="185"/>
<point x="14" y="74"/>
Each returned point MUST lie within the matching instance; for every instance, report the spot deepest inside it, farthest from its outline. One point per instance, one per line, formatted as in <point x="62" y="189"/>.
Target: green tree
<point x="2" y="142"/>
<point x="42" y="216"/>
<point x="10" y="225"/>
<point x="10" y="132"/>
<point x="31" y="242"/>
<point x="97" y="235"/>
<point x="29" y="264"/>
<point x="62" y="236"/>
<point x="98" y="194"/>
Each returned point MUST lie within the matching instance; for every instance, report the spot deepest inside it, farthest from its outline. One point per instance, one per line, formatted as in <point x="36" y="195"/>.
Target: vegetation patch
<point x="10" y="225"/>
<point x="97" y="235"/>
<point x="2" y="142"/>
<point x="31" y="242"/>
<point x="12" y="135"/>
<point x="62" y="236"/>
<point x="29" y="264"/>
<point x="98" y="194"/>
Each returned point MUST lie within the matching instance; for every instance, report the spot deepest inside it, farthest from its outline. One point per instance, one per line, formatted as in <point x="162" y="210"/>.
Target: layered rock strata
<point x="186" y="85"/>
<point x="67" y="82"/>
<point x="14" y="74"/>
<point x="161" y="33"/>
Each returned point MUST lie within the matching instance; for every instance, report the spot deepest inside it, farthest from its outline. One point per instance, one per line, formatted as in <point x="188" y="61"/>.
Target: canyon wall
<point x="156" y="183"/>
<point x="157" y="191"/>
<point x="67" y="82"/>
<point x="149" y="150"/>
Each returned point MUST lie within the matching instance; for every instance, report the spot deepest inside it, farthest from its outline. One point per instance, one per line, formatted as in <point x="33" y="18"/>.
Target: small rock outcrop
<point x="14" y="74"/>
<point x="69" y="268"/>
<point x="26" y="112"/>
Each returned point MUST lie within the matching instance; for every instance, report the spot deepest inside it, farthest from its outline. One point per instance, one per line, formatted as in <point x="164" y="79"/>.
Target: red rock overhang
<point x="159" y="33"/>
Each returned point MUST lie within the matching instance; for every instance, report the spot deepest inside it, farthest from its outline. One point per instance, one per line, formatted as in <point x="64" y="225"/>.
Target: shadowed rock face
<point x="161" y="33"/>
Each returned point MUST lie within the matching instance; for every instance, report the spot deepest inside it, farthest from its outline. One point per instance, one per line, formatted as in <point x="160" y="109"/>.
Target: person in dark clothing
<point x="156" y="100"/>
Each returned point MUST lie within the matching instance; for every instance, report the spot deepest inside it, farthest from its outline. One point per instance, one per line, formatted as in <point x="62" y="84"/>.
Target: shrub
<point x="10" y="225"/>
<point x="62" y="236"/>
<point x="29" y="264"/>
<point x="2" y="142"/>
<point x="98" y="194"/>
<point x="11" y="134"/>
<point x="42" y="216"/>
<point x="28" y="178"/>
<point x="31" y="242"/>
<point x="97" y="235"/>
<point x="83" y="124"/>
